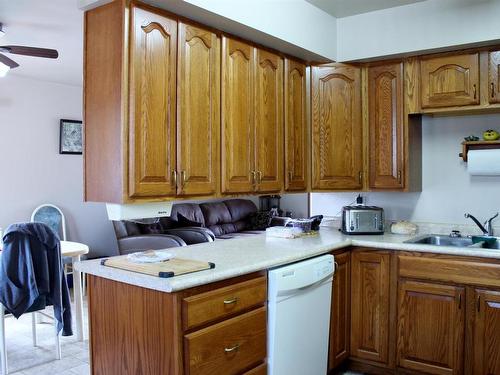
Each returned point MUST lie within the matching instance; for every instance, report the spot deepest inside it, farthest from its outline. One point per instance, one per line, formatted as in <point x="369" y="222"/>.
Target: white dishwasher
<point x="299" y="300"/>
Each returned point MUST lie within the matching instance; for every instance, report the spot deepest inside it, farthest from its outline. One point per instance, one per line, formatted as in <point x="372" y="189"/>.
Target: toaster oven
<point x="361" y="219"/>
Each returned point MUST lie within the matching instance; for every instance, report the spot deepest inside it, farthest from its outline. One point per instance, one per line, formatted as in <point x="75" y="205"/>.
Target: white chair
<point x="53" y="216"/>
<point x="3" y="347"/>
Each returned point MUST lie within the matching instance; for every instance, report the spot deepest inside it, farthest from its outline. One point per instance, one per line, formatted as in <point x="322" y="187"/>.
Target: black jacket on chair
<point x="31" y="273"/>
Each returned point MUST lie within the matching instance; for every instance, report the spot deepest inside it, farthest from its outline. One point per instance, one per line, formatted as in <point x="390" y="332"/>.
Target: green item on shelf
<point x="491" y="135"/>
<point x="471" y="138"/>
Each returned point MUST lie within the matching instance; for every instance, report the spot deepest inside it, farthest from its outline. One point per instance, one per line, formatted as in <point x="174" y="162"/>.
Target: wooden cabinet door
<point x="450" y="80"/>
<point x="238" y="152"/>
<point x="431" y="327"/>
<point x="269" y="121"/>
<point x="340" y="329"/>
<point x="295" y="126"/>
<point x="385" y="102"/>
<point x="198" y="113"/>
<point x="494" y="77"/>
<point x="337" y="130"/>
<point x="370" y="300"/>
<point x="487" y="333"/>
<point x="152" y="105"/>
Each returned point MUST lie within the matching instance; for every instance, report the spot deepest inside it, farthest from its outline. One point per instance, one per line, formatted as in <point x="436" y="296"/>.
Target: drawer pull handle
<point x="230" y="301"/>
<point x="474" y="90"/>
<point x="492" y="90"/>
<point x="232" y="349"/>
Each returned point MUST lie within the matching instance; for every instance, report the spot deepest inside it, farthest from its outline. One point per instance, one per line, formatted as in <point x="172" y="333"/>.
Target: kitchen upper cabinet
<point x="198" y="111"/>
<point x="252" y="119"/>
<point x="238" y="128"/>
<point x="337" y="128"/>
<point x="385" y="106"/>
<point x="494" y="77"/>
<point x="448" y="81"/>
<point x="296" y="134"/>
<point x="431" y="327"/>
<point x="370" y="287"/>
<point x="341" y="310"/>
<point x="152" y="101"/>
<point x="487" y="333"/>
<point x="268" y="121"/>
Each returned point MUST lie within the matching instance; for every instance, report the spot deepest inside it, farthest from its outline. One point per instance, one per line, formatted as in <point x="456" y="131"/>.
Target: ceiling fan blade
<point x="10" y="63"/>
<point x="31" y="51"/>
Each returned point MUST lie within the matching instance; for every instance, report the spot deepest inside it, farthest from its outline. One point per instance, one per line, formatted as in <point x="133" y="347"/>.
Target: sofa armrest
<point x="131" y="244"/>
<point x="192" y="235"/>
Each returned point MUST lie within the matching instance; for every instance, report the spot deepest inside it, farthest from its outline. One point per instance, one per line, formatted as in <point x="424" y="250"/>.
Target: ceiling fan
<point x="6" y="63"/>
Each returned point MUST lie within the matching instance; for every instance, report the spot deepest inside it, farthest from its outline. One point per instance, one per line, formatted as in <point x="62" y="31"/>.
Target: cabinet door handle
<point x="253" y="173"/>
<point x="360" y="177"/>
<point x="492" y="90"/>
<point x="399" y="177"/>
<point x="460" y="301"/>
<point x="259" y="173"/>
<point x="230" y="301"/>
<point x="174" y="177"/>
<point x="474" y="90"/>
<point x="232" y="349"/>
<point x="478" y="302"/>
<point x="290" y="176"/>
<point x="183" y="179"/>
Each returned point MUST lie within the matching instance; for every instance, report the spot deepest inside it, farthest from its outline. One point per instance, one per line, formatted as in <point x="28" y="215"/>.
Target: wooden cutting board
<point x="165" y="269"/>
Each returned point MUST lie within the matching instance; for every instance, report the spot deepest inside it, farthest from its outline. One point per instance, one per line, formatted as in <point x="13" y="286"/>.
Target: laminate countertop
<point x="248" y="254"/>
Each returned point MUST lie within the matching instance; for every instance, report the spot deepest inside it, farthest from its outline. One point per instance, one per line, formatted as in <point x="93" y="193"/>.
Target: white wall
<point x="448" y="190"/>
<point x="33" y="171"/>
<point x="417" y="27"/>
<point x="295" y="27"/>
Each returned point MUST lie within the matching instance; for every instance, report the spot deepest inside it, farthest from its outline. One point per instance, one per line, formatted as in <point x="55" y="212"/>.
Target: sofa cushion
<point x="215" y="213"/>
<point x="183" y="221"/>
<point x="190" y="211"/>
<point x="240" y="209"/>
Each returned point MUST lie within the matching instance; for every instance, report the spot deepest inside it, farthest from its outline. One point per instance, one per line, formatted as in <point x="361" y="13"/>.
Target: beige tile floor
<point x="24" y="359"/>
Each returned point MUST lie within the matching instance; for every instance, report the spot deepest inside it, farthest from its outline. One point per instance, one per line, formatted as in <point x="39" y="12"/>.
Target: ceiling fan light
<point x="4" y="69"/>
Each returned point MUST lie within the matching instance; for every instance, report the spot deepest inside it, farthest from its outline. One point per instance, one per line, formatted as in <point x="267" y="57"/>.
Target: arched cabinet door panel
<point x="152" y="98"/>
<point x="337" y="128"/>
<point x="238" y="158"/>
<point x="450" y="80"/>
<point x="494" y="77"/>
<point x="198" y="112"/>
<point x="296" y="134"/>
<point x="385" y="106"/>
<point x="269" y="121"/>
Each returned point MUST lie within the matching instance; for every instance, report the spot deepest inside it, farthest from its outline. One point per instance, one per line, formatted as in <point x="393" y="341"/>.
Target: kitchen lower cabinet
<point x="340" y="327"/>
<point x="219" y="328"/>
<point x="431" y="327"/>
<point x="370" y="301"/>
<point x="486" y="342"/>
<point x="337" y="133"/>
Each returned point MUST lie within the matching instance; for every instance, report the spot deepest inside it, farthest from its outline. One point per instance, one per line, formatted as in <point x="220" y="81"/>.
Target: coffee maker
<point x="270" y="203"/>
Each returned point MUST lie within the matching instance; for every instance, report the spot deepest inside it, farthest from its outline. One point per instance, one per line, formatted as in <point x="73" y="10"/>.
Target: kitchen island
<point x="214" y="321"/>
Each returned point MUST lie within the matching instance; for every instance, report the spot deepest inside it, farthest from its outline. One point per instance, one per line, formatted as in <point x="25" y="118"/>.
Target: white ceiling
<point x="54" y="24"/>
<point x="345" y="8"/>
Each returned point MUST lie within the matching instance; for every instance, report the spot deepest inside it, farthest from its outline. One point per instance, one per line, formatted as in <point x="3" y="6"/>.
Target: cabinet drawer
<point x="450" y="270"/>
<point x="216" y="304"/>
<point x="227" y="347"/>
<point x="259" y="370"/>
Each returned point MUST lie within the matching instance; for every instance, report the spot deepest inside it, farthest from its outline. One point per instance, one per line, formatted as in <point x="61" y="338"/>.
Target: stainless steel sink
<point x="446" y="240"/>
<point x="441" y="240"/>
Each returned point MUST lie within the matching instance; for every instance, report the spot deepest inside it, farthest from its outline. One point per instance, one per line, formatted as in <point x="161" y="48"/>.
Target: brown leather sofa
<point x="189" y="223"/>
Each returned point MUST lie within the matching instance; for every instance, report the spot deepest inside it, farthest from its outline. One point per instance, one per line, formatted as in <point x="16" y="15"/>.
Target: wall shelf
<point x="477" y="145"/>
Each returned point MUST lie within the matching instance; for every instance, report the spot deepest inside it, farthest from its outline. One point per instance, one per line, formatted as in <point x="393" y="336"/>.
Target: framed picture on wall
<point x="70" y="137"/>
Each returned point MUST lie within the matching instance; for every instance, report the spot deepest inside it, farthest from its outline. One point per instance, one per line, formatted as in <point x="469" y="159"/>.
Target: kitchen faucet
<point x="487" y="229"/>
